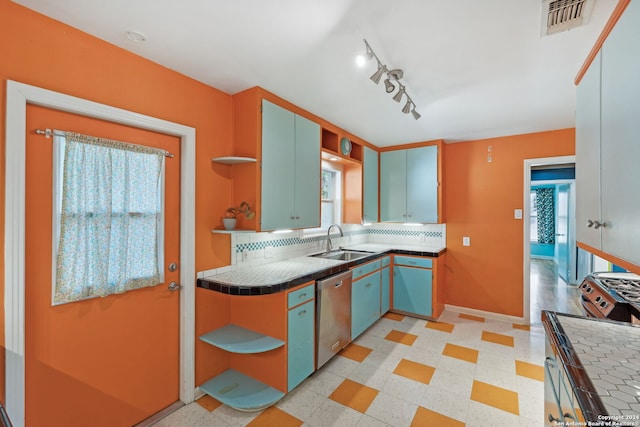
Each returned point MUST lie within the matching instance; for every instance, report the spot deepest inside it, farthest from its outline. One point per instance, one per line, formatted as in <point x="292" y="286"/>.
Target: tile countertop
<point x="281" y="275"/>
<point x="608" y="354"/>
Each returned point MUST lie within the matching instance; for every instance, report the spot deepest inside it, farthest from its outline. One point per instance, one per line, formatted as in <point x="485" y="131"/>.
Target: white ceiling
<point x="475" y="68"/>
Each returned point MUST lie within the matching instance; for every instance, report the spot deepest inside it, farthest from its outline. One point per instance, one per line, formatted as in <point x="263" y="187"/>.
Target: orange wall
<point x="480" y="198"/>
<point x="42" y="52"/>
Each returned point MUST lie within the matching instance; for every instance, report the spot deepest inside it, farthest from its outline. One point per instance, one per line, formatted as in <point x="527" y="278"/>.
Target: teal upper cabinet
<point x="290" y="170"/>
<point x="409" y="185"/>
<point x="607" y="148"/>
<point x="370" y="186"/>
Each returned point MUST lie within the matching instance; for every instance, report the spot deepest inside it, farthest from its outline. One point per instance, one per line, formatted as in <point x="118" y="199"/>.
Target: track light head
<point x="389" y="87"/>
<point x="407" y="107"/>
<point x="415" y="114"/>
<point x="378" y="74"/>
<point x="398" y="96"/>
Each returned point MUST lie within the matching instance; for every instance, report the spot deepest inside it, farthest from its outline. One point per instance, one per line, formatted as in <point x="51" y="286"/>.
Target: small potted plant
<point x="229" y="220"/>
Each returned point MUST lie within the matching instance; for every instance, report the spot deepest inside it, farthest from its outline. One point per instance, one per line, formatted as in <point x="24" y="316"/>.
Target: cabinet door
<point x="385" y="290"/>
<point x="278" y="161"/>
<point x="422" y="184"/>
<point x="370" y="186"/>
<point x="412" y="290"/>
<point x="620" y="145"/>
<point x="307" y="173"/>
<point x="300" y="343"/>
<point x="365" y="303"/>
<point x="588" y="155"/>
<point x="393" y="186"/>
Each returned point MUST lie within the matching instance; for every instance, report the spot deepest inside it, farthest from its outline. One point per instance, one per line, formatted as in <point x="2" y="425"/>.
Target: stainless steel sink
<point x="342" y="255"/>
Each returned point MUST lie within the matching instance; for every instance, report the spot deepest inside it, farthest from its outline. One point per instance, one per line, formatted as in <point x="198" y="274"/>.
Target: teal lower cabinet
<point x="365" y="303"/>
<point x="412" y="289"/>
<point x="385" y="290"/>
<point x="300" y="343"/>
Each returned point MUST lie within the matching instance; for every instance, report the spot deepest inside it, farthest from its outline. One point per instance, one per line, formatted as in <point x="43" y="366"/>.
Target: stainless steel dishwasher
<point x="333" y="322"/>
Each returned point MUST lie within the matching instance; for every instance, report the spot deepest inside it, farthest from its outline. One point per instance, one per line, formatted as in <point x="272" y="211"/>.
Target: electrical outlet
<point x="466" y="241"/>
<point x="268" y="252"/>
<point x="423" y="237"/>
<point x="245" y="255"/>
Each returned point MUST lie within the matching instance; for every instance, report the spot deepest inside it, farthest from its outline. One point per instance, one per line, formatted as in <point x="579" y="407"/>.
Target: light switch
<point x="517" y="213"/>
<point x="466" y="241"/>
<point x="268" y="251"/>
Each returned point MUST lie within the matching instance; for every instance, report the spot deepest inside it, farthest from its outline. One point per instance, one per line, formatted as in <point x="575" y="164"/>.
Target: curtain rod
<point x="48" y="132"/>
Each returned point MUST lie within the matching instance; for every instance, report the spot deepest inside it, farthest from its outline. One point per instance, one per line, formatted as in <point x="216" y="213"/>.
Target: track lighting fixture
<point x="393" y="79"/>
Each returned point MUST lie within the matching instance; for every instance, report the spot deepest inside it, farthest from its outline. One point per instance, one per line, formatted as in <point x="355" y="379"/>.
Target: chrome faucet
<point x="329" y="245"/>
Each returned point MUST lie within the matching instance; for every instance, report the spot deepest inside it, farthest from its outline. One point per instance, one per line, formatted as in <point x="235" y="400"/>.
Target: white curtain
<point x="110" y="217"/>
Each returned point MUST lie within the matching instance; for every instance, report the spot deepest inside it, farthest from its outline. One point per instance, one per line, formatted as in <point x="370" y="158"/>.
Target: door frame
<point x="18" y="95"/>
<point x="526" y="225"/>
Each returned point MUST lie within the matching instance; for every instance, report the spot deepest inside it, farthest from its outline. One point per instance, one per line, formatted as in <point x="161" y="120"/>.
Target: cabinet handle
<point x="292" y="217"/>
<point x="589" y="223"/>
<point x="368" y="285"/>
<point x="302" y="313"/>
<point x="297" y="217"/>
<point x="412" y="262"/>
<point x="409" y="215"/>
<point x="301" y="296"/>
<point x="598" y="224"/>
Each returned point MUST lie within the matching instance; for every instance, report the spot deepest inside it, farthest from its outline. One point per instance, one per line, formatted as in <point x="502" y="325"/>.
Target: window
<point x="108" y="217"/>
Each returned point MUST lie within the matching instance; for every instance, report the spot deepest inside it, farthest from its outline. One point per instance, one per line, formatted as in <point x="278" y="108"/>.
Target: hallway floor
<point x="462" y="370"/>
<point x="550" y="292"/>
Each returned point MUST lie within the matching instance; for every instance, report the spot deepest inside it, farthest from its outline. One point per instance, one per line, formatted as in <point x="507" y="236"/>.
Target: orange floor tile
<point x="414" y="371"/>
<point x="208" y="403"/>
<point x="393" y="316"/>
<point x="425" y="417"/>
<point x="275" y="417"/>
<point x="495" y="396"/>
<point x="497" y="338"/>
<point x="355" y="352"/>
<point x="401" y="337"/>
<point x="529" y="370"/>
<point x="521" y="327"/>
<point x="470" y="317"/>
<point x="354" y="395"/>
<point x="462" y="353"/>
<point x="440" y="326"/>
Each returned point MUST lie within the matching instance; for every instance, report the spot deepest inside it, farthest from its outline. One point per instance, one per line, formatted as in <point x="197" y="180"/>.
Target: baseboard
<point x="485" y="314"/>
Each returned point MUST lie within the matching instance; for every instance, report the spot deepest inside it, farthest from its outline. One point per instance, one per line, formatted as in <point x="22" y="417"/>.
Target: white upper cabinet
<point x="370" y="186"/>
<point x="608" y="144"/>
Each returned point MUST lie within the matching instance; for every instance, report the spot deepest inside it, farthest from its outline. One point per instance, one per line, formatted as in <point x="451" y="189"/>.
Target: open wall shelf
<point x="241" y="392"/>
<point x="236" y="339"/>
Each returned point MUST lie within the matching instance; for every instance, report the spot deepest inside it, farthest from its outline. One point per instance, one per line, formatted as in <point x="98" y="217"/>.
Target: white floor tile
<point x="445" y="403"/>
<point x="481" y="415"/>
<point x="405" y="389"/>
<point x="457" y="384"/>
<point x="331" y="413"/>
<point x="391" y="410"/>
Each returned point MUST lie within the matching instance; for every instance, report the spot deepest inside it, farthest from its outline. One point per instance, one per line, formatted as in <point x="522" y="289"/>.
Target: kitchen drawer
<point x="413" y="261"/>
<point x="301" y="295"/>
<point x="364" y="269"/>
<point x="386" y="261"/>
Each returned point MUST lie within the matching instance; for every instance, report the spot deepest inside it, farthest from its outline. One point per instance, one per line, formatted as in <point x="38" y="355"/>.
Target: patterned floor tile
<point x="355" y="352"/>
<point x="394" y="316"/>
<point x="496" y="397"/>
<point x="470" y="317"/>
<point x="459" y="352"/>
<point x="497" y="338"/>
<point x="208" y="403"/>
<point x="401" y="337"/>
<point x="426" y="417"/>
<point x="414" y="371"/>
<point x="354" y="395"/>
<point x="275" y="417"/>
<point x="440" y="326"/>
<point x="529" y="370"/>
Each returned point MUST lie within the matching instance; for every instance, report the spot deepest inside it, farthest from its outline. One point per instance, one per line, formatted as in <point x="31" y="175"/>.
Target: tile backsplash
<point x="251" y="249"/>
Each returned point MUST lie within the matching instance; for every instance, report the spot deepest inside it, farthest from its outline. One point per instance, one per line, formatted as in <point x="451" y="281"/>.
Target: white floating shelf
<point x="232" y="160"/>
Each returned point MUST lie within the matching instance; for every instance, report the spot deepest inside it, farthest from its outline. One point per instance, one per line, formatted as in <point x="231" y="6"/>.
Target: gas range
<point x="614" y="296"/>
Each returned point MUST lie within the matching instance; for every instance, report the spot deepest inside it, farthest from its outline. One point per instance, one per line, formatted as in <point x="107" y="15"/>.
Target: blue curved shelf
<point x="241" y="392"/>
<point x="236" y="339"/>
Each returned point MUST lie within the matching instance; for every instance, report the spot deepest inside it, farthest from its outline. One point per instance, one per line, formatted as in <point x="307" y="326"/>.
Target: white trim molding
<point x="485" y="314"/>
<point x="18" y="96"/>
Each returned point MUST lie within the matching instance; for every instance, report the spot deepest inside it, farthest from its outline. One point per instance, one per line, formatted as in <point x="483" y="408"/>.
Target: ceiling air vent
<point x="562" y="15"/>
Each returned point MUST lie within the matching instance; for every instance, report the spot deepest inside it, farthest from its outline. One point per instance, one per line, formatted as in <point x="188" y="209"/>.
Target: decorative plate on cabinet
<point x="345" y="146"/>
